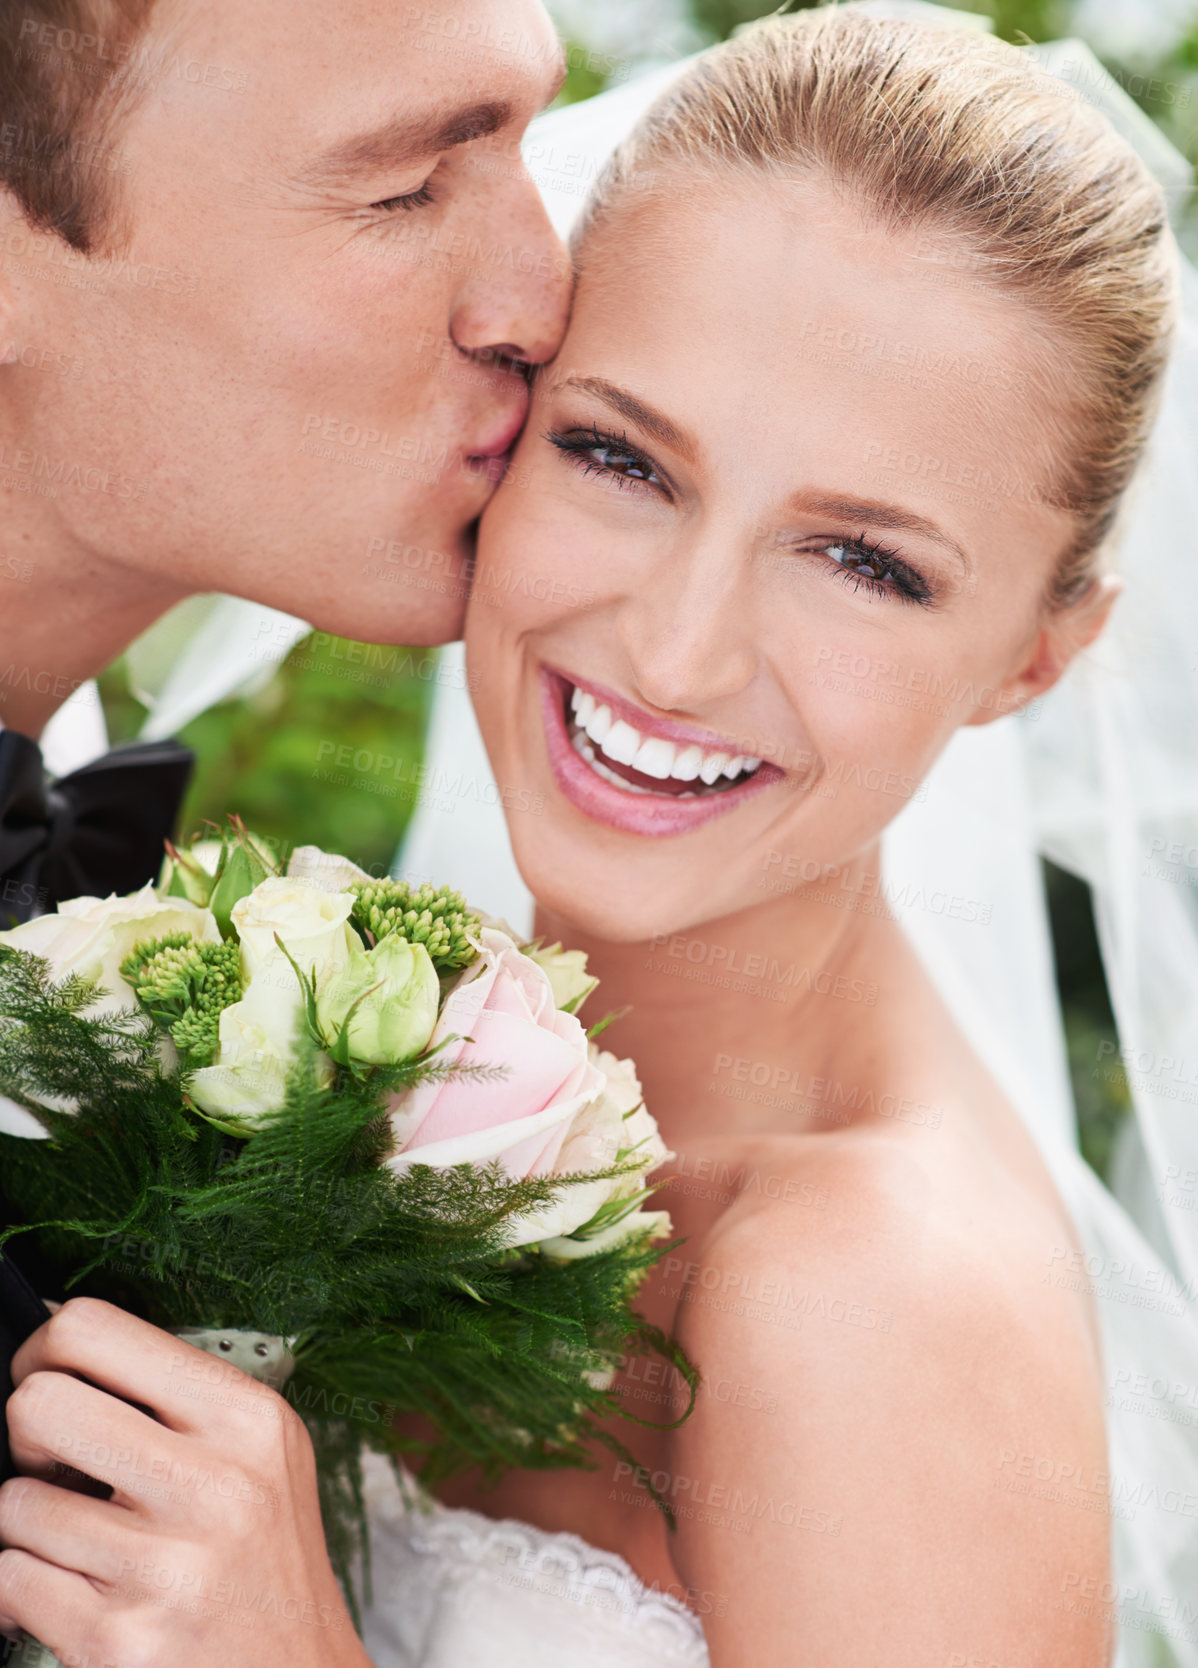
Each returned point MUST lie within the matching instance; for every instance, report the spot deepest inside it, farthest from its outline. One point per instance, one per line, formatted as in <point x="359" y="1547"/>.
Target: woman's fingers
<point x="92" y="1537"/>
<point x="55" y="1606"/>
<point x="183" y="1388"/>
<point x="56" y="1421"/>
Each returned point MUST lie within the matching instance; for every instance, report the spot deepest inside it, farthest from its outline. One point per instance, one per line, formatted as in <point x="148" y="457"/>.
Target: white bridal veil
<point x="1101" y="776"/>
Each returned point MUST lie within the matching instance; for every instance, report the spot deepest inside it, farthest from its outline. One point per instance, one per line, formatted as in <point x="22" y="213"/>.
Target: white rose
<point x="567" y="973"/>
<point x="564" y="1249"/>
<point x="326" y="870"/>
<point x="248" y="1078"/>
<point x="93" y="936"/>
<point x="312" y="924"/>
<point x="19" y="1121"/>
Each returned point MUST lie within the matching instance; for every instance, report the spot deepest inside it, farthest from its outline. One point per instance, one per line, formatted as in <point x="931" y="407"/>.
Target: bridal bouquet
<point x="345" y="1133"/>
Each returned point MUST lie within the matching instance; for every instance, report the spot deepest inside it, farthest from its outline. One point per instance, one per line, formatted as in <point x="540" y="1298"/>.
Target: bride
<point x="870" y="328"/>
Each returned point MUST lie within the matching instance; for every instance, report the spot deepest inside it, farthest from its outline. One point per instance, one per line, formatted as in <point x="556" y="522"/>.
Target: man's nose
<point x="516" y="301"/>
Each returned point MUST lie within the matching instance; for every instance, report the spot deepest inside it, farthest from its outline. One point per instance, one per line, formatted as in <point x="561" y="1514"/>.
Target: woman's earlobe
<point x="1061" y="636"/>
<point x="1087" y="618"/>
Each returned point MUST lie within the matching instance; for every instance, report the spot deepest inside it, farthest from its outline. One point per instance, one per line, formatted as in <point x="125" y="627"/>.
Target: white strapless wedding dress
<point x="454" y="1589"/>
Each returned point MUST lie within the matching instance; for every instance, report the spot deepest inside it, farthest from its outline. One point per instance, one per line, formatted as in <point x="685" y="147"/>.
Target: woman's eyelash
<point x="626" y="463"/>
<point x="861" y="564"/>
<point x="892" y="576"/>
<point x="414" y="200"/>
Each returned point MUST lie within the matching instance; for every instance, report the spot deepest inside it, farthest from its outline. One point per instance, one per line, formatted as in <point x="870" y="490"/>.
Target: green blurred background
<point x="256" y="754"/>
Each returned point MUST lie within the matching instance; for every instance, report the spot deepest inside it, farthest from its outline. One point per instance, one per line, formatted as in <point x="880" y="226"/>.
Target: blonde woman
<point x="746" y="626"/>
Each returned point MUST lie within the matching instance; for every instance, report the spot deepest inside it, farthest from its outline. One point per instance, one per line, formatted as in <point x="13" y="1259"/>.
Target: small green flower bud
<point x="384" y="1000"/>
<point x="434" y="916"/>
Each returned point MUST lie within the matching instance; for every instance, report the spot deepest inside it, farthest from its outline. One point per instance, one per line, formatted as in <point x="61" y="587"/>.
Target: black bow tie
<point x="98" y="831"/>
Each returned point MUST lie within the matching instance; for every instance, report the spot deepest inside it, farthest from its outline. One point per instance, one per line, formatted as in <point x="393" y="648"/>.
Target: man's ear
<point x="10" y="216"/>
<point x="9" y="349"/>
<point x="1058" y="638"/>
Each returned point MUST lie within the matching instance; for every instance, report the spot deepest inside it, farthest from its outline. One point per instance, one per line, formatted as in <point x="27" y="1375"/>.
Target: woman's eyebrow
<point x="871" y="513"/>
<point x="627" y="405"/>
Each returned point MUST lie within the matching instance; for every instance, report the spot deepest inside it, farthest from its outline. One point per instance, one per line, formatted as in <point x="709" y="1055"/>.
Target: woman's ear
<point x="1058" y="638"/>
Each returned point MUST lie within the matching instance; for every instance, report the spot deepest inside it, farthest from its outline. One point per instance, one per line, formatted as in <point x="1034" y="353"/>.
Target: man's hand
<point x="209" y="1547"/>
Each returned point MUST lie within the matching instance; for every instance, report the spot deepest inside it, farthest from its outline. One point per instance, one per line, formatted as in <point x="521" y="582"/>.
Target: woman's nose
<point x="688" y="634"/>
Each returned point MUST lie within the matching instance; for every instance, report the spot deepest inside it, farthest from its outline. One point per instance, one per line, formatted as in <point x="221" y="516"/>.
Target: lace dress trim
<point x="538" y="1567"/>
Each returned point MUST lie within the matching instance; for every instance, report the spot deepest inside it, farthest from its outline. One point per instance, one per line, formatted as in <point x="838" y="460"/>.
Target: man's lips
<point x="497" y="440"/>
<point x="642" y="806"/>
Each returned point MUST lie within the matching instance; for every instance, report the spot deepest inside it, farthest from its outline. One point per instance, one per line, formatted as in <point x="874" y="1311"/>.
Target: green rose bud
<point x="191" y="874"/>
<point x="381" y="1007"/>
<point x="244" y="864"/>
<point x="567" y="970"/>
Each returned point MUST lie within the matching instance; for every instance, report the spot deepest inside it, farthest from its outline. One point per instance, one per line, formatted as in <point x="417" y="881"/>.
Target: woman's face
<point x="775" y="530"/>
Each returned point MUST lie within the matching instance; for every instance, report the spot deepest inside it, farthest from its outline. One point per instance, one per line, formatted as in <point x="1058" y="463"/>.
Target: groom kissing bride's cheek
<point x="728" y="562"/>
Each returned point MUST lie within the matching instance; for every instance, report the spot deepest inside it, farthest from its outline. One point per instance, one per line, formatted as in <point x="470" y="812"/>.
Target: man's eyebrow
<point x="403" y="140"/>
<point x="870" y="513"/>
<point x="636" y="411"/>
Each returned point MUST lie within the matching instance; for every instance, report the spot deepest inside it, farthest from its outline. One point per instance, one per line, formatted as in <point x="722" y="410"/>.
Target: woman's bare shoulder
<point x="914" y="1380"/>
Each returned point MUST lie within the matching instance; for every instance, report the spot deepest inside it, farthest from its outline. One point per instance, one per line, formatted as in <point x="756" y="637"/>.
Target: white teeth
<point x="584" y="749"/>
<point x="712" y="768"/>
<point x="622" y="742"/>
<point x="652" y="755"/>
<point x="655" y="757"/>
<point x="688" y="764"/>
<point x="598" y="724"/>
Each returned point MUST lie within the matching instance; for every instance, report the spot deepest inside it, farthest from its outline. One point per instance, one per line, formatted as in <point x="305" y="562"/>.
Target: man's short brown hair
<point x="66" y="69"/>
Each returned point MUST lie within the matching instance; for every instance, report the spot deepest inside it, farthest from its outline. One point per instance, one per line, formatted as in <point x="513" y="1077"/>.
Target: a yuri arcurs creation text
<point x="345" y="1133"/>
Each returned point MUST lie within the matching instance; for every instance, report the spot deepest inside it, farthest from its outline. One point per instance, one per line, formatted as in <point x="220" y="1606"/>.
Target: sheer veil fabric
<point x="1102" y="777"/>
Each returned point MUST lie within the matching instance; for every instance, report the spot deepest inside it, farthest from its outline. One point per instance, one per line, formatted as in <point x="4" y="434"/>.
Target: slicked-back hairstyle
<point x="955" y="133"/>
<point x="66" y="69"/>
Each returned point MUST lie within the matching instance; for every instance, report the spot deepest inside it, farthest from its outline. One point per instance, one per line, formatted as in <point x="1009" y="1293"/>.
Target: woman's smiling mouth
<point x="621" y="766"/>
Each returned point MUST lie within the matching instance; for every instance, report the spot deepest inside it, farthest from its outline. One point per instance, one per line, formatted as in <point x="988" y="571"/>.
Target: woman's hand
<point x="210" y="1548"/>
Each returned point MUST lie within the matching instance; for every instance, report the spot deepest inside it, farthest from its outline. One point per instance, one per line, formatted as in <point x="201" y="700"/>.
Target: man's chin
<point x="408" y="590"/>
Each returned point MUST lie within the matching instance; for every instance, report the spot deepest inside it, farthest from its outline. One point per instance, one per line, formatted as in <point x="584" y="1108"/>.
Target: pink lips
<point x="490" y="456"/>
<point x="634" y="813"/>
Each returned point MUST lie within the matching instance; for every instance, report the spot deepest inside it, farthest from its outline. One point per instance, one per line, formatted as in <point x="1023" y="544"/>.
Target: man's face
<point x="287" y="382"/>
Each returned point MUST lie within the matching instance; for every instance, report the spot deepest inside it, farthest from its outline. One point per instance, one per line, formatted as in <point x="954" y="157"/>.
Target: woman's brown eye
<point x="621" y="463"/>
<point x="871" y="564"/>
<point x="878" y="571"/>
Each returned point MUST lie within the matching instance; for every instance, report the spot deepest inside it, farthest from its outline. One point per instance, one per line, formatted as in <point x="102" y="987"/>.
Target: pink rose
<point x="503" y="1014"/>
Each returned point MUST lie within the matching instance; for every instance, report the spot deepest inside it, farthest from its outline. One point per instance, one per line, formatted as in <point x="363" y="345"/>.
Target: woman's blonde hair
<point x="959" y="134"/>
